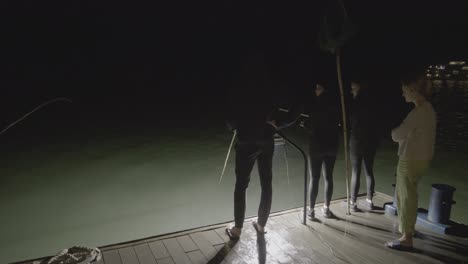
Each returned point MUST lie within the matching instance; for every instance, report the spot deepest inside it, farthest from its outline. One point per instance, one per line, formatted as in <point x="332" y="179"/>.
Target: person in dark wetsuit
<point x="323" y="129"/>
<point x="364" y="140"/>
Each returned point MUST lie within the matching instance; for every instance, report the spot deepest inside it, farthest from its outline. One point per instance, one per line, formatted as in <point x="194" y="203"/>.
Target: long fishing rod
<point x="34" y="110"/>
<point x="234" y="134"/>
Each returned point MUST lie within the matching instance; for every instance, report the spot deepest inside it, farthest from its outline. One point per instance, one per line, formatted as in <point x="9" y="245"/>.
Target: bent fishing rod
<point x="64" y="99"/>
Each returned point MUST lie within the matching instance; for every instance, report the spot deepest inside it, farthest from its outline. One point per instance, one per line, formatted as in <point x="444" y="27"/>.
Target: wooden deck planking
<point x="307" y="244"/>
<point x="264" y="247"/>
<point x="355" y="238"/>
<point x="222" y="234"/>
<point x="284" y="222"/>
<point x="233" y="258"/>
<point x="300" y="255"/>
<point x="310" y="235"/>
<point x="279" y="227"/>
<point x="351" y="246"/>
<point x="168" y="260"/>
<point x="187" y="243"/>
<point x="213" y="237"/>
<point x="362" y="235"/>
<point x="197" y="257"/>
<point x="310" y="244"/>
<point x="144" y="254"/>
<point x="111" y="257"/>
<point x="159" y="250"/>
<point x="204" y="245"/>
<point x="303" y="254"/>
<point x="273" y="224"/>
<point x="128" y="256"/>
<point x="294" y="218"/>
<point x="176" y="251"/>
<point x="246" y="247"/>
<point x="219" y="247"/>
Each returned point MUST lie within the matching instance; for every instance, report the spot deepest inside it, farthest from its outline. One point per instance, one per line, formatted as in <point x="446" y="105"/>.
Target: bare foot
<point x="406" y="241"/>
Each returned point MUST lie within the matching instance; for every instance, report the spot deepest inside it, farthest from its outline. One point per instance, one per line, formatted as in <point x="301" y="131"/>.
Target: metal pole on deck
<point x="345" y="127"/>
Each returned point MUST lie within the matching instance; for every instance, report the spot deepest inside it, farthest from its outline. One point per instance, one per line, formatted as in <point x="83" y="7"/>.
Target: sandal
<point x="231" y="235"/>
<point x="256" y="226"/>
<point x="396" y="244"/>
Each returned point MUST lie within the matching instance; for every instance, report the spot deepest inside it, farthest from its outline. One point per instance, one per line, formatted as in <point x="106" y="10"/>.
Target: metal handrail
<point x="306" y="170"/>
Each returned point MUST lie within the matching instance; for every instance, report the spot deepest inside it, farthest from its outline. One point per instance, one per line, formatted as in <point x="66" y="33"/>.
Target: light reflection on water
<point x="450" y="101"/>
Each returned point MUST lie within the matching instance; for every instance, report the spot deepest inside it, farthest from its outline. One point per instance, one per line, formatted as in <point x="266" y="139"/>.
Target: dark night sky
<point x="187" y="52"/>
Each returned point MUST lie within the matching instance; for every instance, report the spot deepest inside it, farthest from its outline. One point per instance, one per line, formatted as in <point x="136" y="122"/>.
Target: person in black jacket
<point x="323" y="128"/>
<point x="363" y="141"/>
<point x="251" y="115"/>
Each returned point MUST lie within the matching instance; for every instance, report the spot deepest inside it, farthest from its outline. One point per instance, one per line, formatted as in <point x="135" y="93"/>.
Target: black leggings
<point x="356" y="161"/>
<point x="317" y="164"/>
<point x="246" y="155"/>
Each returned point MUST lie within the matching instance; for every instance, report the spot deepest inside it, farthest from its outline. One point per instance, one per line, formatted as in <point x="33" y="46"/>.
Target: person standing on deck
<point x="364" y="139"/>
<point x="250" y="114"/>
<point x="416" y="140"/>
<point x="323" y="129"/>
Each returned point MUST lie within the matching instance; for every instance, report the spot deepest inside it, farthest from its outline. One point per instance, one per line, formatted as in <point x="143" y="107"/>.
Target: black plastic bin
<point x="440" y="204"/>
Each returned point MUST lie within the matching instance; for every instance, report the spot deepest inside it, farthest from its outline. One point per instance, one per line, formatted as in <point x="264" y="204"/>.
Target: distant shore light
<point x="457" y="63"/>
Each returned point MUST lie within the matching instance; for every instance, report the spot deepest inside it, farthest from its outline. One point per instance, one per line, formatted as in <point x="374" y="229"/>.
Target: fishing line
<point x="286" y="162"/>
<point x="306" y="170"/>
<point x="34" y="110"/>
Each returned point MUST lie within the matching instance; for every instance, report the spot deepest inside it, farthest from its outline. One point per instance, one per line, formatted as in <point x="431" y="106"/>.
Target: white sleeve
<point x="402" y="132"/>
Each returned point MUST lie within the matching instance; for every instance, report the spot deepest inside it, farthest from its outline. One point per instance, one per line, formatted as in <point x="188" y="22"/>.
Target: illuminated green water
<point x="117" y="186"/>
<point x="97" y="182"/>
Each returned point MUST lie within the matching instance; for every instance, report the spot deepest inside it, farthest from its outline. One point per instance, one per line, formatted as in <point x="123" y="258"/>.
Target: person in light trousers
<point x="416" y="138"/>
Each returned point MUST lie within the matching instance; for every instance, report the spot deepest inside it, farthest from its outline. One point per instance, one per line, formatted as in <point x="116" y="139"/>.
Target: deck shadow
<point x="261" y="248"/>
<point x="360" y="224"/>
<point x="458" y="230"/>
<point x="437" y="256"/>
<point x="223" y="252"/>
<point x="439" y="240"/>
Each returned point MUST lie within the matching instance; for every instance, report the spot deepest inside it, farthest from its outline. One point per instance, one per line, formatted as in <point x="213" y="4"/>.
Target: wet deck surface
<point x="358" y="238"/>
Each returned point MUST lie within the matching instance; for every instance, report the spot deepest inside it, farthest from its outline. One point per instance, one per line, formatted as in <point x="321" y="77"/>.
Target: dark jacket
<point x="364" y="123"/>
<point x="250" y="121"/>
<point x="251" y="105"/>
<point x="323" y="124"/>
